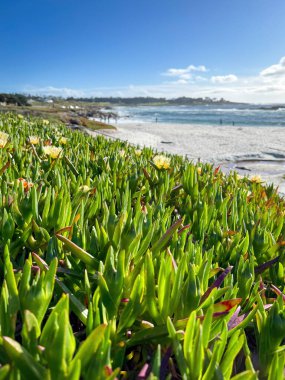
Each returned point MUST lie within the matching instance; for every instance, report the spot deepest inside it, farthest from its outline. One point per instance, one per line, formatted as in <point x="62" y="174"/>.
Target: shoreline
<point x="248" y="150"/>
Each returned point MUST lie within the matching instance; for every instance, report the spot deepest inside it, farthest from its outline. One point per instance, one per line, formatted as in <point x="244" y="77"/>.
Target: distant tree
<point x="15" y="99"/>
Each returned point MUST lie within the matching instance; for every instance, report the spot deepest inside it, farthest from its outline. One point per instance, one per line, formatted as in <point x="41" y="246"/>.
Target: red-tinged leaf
<point x="281" y="243"/>
<point x="216" y="171"/>
<point x="183" y="229"/>
<point x="226" y="305"/>
<point x="5" y="167"/>
<point x="108" y="371"/>
<point x="229" y="233"/>
<point x="35" y="269"/>
<point x="215" y="315"/>
<point x="167" y="236"/>
<point x="261" y="268"/>
<point x="277" y="291"/>
<point x="216" y="284"/>
<point x="147" y="176"/>
<point x="64" y="229"/>
<point x="41" y="263"/>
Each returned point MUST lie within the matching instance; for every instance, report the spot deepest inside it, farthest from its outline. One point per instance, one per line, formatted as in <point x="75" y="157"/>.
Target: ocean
<point x="239" y="115"/>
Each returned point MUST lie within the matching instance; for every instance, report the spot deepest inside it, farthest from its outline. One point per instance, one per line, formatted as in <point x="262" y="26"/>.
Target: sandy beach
<point x="249" y="150"/>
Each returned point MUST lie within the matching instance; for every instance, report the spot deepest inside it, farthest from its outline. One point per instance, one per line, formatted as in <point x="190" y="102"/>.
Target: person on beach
<point x="156" y="119"/>
<point x="221" y="121"/>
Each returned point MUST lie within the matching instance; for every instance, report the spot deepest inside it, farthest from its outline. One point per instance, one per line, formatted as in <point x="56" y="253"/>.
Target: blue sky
<point x="168" y="48"/>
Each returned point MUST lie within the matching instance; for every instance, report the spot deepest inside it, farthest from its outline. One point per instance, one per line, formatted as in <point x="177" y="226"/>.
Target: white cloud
<point x="55" y="91"/>
<point x="185" y="73"/>
<point x="267" y="86"/>
<point x="276" y="70"/>
<point x="224" y="78"/>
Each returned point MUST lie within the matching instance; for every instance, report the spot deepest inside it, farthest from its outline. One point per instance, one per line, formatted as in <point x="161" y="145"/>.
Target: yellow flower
<point x="4" y="136"/>
<point x="199" y="170"/>
<point x="138" y="152"/>
<point x="84" y="188"/>
<point x="3" y="139"/>
<point x="63" y="140"/>
<point x="256" y="179"/>
<point x="161" y="161"/>
<point x="2" y="143"/>
<point x="45" y="122"/>
<point x="20" y="116"/>
<point x="34" y="140"/>
<point x="52" y="151"/>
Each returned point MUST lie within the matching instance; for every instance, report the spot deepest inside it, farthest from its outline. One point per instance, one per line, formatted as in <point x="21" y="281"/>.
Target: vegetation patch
<point x="120" y="262"/>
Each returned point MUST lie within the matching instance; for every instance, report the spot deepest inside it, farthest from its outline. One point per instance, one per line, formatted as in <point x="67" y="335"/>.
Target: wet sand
<point x="249" y="150"/>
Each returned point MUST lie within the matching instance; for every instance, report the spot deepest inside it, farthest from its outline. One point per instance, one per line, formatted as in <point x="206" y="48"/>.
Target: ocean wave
<point x="238" y="116"/>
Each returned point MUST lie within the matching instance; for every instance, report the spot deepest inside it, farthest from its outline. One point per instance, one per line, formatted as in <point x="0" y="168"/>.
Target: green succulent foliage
<point x="114" y="268"/>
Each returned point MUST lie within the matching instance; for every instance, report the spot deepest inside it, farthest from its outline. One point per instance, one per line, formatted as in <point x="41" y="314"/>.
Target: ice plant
<point x="4" y="136"/>
<point x="34" y="140"/>
<point x="161" y="161"/>
<point x="119" y="267"/>
<point x="63" y="140"/>
<point x="26" y="184"/>
<point x="255" y="179"/>
<point x="84" y="188"/>
<point x="52" y="151"/>
<point x="3" y="143"/>
<point x="3" y="139"/>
